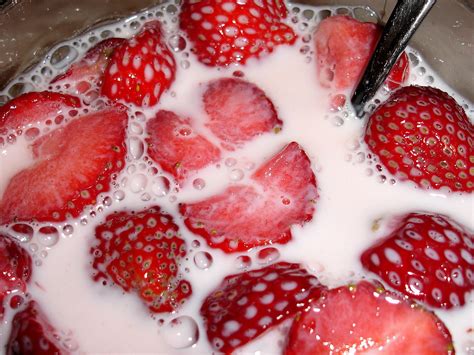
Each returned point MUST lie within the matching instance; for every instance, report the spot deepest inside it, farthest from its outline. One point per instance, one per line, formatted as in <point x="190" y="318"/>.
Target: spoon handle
<point x="402" y="24"/>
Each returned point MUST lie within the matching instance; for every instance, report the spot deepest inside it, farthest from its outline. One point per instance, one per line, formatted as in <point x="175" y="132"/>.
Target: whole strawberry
<point x="421" y="134"/>
<point x="223" y="32"/>
<point x="428" y="257"/>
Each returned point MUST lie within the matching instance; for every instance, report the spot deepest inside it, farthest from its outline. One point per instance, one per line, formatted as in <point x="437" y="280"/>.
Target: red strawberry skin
<point x="232" y="31"/>
<point x="364" y="318"/>
<point x="34" y="108"/>
<point x="140" y="69"/>
<point x="246" y="216"/>
<point x="421" y="134"/>
<point x="15" y="270"/>
<point x="141" y="253"/>
<point x="32" y="334"/>
<point x="175" y="145"/>
<point x="246" y="305"/>
<point x="427" y="257"/>
<point x="343" y="49"/>
<point x="73" y="165"/>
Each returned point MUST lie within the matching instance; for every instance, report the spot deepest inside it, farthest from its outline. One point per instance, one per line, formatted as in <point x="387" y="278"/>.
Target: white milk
<point x="353" y="193"/>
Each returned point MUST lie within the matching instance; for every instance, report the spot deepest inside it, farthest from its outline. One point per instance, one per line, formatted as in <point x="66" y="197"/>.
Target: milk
<point x="93" y="318"/>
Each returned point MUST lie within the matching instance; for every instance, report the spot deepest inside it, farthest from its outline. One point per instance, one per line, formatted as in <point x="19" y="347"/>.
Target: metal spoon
<point x="406" y="17"/>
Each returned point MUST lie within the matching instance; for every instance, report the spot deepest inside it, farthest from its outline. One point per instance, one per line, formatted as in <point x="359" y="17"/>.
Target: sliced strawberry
<point x="364" y="318"/>
<point x="32" y="334"/>
<point x="15" y="271"/>
<point x="223" y="32"/>
<point x="428" y="257"/>
<point x="246" y="305"/>
<point x="243" y="217"/>
<point x="36" y="108"/>
<point x="91" y="67"/>
<point x="174" y="144"/>
<point x="141" y="253"/>
<point x="343" y="49"/>
<point x="238" y="111"/>
<point x="140" y="69"/>
<point x="73" y="165"/>
<point x="421" y="134"/>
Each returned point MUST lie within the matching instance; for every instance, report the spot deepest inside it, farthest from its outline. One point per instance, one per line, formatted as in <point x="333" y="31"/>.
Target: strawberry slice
<point x="36" y="108"/>
<point x="32" y="334"/>
<point x="428" y="257"/>
<point x="140" y="69"/>
<point x="73" y="165"/>
<point x="238" y="111"/>
<point x="364" y="318"/>
<point x="246" y="305"/>
<point x="246" y="216"/>
<point x="233" y="31"/>
<point x="15" y="271"/>
<point x="343" y="49"/>
<point x="141" y="253"/>
<point x="421" y="134"/>
<point x="174" y="144"/>
<point x="89" y="70"/>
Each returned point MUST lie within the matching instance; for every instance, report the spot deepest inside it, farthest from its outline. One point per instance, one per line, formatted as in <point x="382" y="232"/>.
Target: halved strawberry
<point x="238" y="111"/>
<point x="343" y="49"/>
<point x="364" y="318"/>
<point x="246" y="305"/>
<point x="36" y="108"/>
<point x="89" y="70"/>
<point x="140" y="69"/>
<point x="243" y="217"/>
<point x="428" y="257"/>
<point x="32" y="334"/>
<point x="223" y="32"/>
<point x="73" y="165"/>
<point x="174" y="144"/>
<point x="421" y="134"/>
<point x="141" y="253"/>
<point x="15" y="271"/>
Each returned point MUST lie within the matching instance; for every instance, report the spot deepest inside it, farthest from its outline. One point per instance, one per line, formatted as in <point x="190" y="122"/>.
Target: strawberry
<point x="238" y="111"/>
<point x="15" y="271"/>
<point x="428" y="257"/>
<point x="223" y="32"/>
<point x="421" y="134"/>
<point x="176" y="146"/>
<point x="32" y="334"/>
<point x="364" y="318"/>
<point x="36" y="108"/>
<point x="91" y="67"/>
<point x="141" y="252"/>
<point x="140" y="69"/>
<point x="343" y="49"/>
<point x="73" y="165"/>
<point x="283" y="193"/>
<point x="246" y="305"/>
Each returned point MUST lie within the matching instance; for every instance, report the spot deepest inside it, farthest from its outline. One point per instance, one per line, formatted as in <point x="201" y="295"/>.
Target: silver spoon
<point x="406" y="17"/>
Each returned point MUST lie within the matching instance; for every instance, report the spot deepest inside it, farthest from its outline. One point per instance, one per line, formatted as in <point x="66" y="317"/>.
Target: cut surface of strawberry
<point x="246" y="216"/>
<point x="343" y="49"/>
<point x="428" y="257"/>
<point x="238" y="111"/>
<point x="245" y="305"/>
<point x="364" y="318"/>
<point x="141" y="68"/>
<point x="73" y="165"/>
<point x="141" y="252"/>
<point x="421" y="134"/>
<point x="15" y="271"/>
<point x="35" y="108"/>
<point x="175" y="145"/>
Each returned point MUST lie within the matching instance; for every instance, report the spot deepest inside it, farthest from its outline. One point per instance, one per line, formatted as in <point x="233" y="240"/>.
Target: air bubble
<point x="33" y="247"/>
<point x="337" y="121"/>
<point x="138" y="183"/>
<point x="236" y="175"/>
<point x="22" y="232"/>
<point x="199" y="184"/>
<point x="48" y="236"/>
<point x="160" y="186"/>
<point x="243" y="262"/>
<point x="185" y="64"/>
<point x="181" y="332"/>
<point x="230" y="162"/>
<point x="203" y="260"/>
<point x="268" y="255"/>
<point x="136" y="128"/>
<point x="63" y="56"/>
<point x="177" y="43"/>
<point x="195" y="243"/>
<point x="68" y="229"/>
<point x="136" y="147"/>
<point x="119" y="195"/>
<point x="145" y="197"/>
<point x="107" y="201"/>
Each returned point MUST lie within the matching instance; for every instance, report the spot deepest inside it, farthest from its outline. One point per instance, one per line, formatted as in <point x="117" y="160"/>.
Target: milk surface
<point x="93" y="318"/>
